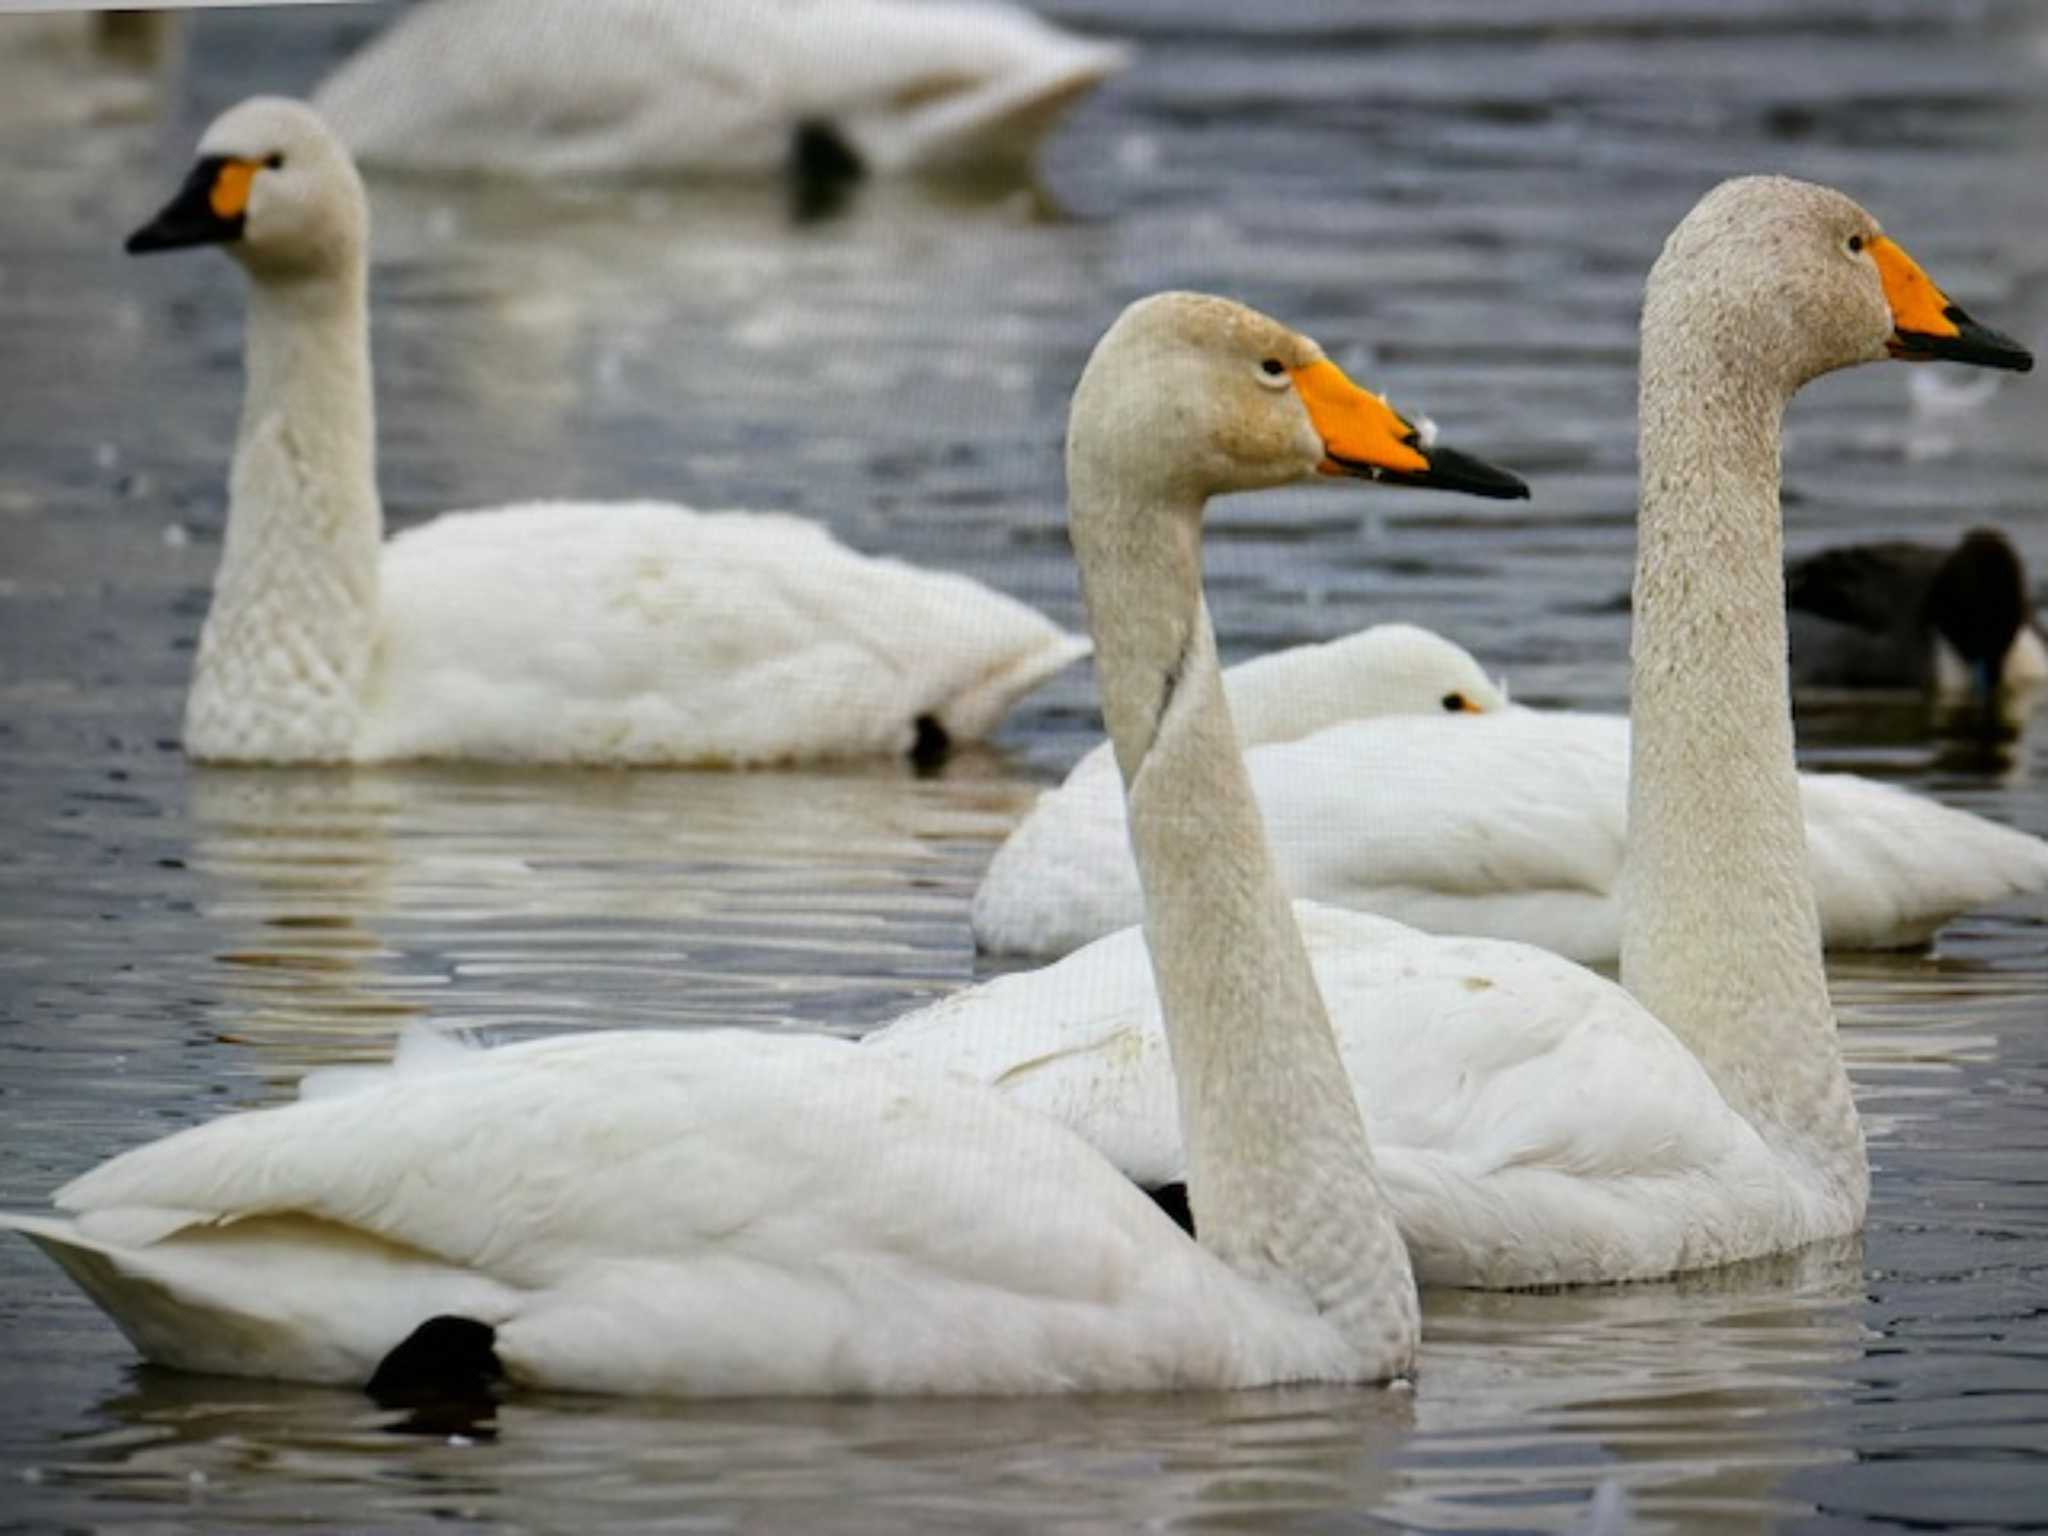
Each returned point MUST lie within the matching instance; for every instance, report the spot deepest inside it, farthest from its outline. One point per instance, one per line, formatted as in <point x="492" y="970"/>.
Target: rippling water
<point x="1460" y="199"/>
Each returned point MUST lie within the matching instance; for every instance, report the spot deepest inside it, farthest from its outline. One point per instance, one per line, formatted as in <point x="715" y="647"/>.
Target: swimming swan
<point x="618" y="633"/>
<point x="1534" y="1123"/>
<point x="541" y="88"/>
<point x="1508" y="826"/>
<point x="731" y="1212"/>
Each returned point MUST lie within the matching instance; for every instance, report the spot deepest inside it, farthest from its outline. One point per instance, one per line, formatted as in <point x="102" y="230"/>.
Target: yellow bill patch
<point x="1358" y="428"/>
<point x="1917" y="305"/>
<point x="230" y="195"/>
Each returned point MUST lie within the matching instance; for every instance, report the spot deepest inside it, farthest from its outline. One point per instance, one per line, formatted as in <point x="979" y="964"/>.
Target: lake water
<point x="1460" y="200"/>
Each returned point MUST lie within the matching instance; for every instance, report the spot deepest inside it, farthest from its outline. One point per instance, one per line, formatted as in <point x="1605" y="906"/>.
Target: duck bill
<point x="1926" y="326"/>
<point x="209" y="209"/>
<point x="1367" y="439"/>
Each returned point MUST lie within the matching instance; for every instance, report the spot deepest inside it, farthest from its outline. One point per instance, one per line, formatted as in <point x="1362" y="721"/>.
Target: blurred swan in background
<point x="544" y="88"/>
<point x="609" y="633"/>
<point x="1897" y="615"/>
<point x="719" y="1213"/>
<point x="1534" y="1123"/>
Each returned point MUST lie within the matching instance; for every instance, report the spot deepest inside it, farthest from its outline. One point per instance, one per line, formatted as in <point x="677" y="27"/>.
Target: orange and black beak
<point x="1927" y="326"/>
<point x="208" y="210"/>
<point x="1365" y="437"/>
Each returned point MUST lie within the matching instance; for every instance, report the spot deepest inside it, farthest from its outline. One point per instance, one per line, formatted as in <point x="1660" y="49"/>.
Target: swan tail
<point x="281" y="1297"/>
<point x="977" y="709"/>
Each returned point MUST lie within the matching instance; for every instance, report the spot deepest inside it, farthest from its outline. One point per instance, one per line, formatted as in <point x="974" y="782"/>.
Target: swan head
<point x="1404" y="669"/>
<point x="1799" y="280"/>
<point x="274" y="187"/>
<point x="1196" y="396"/>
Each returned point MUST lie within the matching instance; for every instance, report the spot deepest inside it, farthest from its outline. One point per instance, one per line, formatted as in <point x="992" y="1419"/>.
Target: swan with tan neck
<point x="615" y="633"/>
<point x="725" y="1212"/>
<point x="1532" y="1122"/>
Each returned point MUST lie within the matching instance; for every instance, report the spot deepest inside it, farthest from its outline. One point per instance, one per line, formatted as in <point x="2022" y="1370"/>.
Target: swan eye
<point x="274" y="160"/>
<point x="1855" y="243"/>
<point x="1273" y="373"/>
<point x="1455" y="703"/>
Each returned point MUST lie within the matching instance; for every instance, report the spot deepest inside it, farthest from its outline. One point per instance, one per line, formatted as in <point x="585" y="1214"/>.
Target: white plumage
<point x="643" y="632"/>
<point x="728" y="1213"/>
<point x="1512" y="826"/>
<point x="688" y="1214"/>
<point x="606" y="87"/>
<point x="610" y="633"/>
<point x="1531" y="1122"/>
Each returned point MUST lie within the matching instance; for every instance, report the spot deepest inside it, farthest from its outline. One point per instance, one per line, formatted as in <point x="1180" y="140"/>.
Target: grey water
<point x="1460" y="200"/>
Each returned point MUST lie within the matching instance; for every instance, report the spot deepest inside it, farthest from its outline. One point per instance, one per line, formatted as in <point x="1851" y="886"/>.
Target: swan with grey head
<point x="735" y="1213"/>
<point x="1532" y="1122"/>
<point x="624" y="633"/>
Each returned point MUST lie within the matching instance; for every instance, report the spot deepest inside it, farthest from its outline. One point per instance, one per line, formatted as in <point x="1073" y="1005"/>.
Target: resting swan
<point x="538" y="88"/>
<point x="1509" y="826"/>
<point x="616" y="633"/>
<point x="729" y="1212"/>
<point x="1534" y="1123"/>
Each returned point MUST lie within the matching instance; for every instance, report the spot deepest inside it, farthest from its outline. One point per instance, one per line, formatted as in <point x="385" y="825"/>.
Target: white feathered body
<point x="581" y="87"/>
<point x="641" y="632"/>
<point x="1510" y="825"/>
<point x="621" y="633"/>
<point x="692" y="1214"/>
<point x="1531" y="1122"/>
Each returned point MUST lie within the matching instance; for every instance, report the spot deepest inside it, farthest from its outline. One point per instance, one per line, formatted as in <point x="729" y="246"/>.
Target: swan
<point x="606" y="633"/>
<point x="1532" y="1122"/>
<point x="569" y="88"/>
<point x="1916" y="616"/>
<point x="726" y="1212"/>
<point x="1510" y="825"/>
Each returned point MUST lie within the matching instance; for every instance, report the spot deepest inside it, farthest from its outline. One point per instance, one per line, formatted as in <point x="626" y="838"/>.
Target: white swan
<point x="619" y="633"/>
<point x="594" y="87"/>
<point x="1533" y="1122"/>
<point x="725" y="1212"/>
<point x="1511" y="826"/>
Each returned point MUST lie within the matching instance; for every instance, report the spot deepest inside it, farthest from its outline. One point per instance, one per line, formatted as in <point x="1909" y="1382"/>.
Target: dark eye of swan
<point x="1273" y="367"/>
<point x="1855" y="242"/>
<point x="275" y="160"/>
<point x="1455" y="702"/>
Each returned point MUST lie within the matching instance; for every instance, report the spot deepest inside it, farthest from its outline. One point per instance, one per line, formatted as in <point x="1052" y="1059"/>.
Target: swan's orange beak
<point x="1925" y="325"/>
<point x="1365" y="437"/>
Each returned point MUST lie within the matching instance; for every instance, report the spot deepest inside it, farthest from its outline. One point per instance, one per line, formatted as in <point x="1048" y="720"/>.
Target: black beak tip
<point x="1972" y="343"/>
<point x="1456" y="471"/>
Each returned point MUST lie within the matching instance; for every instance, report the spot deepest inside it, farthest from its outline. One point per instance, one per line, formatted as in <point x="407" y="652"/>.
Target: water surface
<point x="1460" y="200"/>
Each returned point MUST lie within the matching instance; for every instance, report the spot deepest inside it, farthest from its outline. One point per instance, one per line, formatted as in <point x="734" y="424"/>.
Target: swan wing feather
<point x="646" y="632"/>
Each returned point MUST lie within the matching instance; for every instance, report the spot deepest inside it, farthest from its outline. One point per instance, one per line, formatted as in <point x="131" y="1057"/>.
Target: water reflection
<point x="349" y="902"/>
<point x="1684" y="1393"/>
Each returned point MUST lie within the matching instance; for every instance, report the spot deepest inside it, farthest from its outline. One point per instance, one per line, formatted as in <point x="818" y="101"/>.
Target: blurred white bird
<point x="544" y="88"/>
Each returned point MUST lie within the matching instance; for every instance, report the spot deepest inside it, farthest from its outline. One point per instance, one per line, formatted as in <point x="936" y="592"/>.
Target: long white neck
<point x="1280" y="1177"/>
<point x="287" y="643"/>
<point x="1719" y="935"/>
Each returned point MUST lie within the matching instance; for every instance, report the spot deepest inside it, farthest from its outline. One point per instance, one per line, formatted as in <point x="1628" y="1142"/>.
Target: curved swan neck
<point x="1720" y="937"/>
<point x="287" y="643"/>
<point x="1280" y="1177"/>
